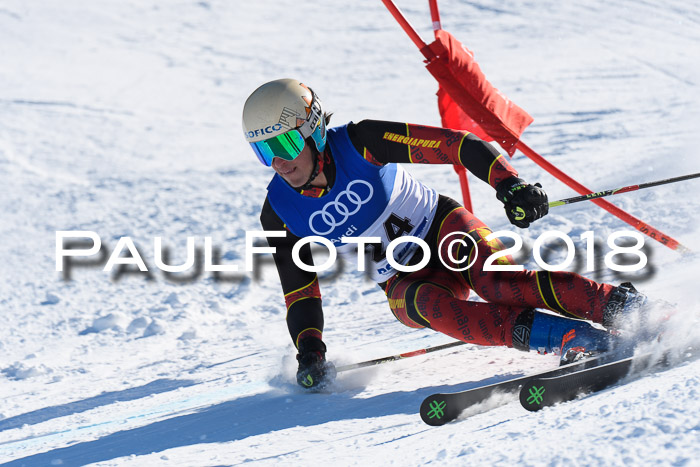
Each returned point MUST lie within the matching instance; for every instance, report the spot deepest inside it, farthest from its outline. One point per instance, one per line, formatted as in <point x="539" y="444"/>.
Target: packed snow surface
<point x="123" y="118"/>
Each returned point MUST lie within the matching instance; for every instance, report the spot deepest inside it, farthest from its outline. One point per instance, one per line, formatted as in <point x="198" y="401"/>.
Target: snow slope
<point x="123" y="118"/>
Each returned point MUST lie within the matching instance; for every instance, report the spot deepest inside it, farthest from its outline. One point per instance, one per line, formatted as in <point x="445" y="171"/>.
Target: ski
<point x="546" y="390"/>
<point x="438" y="409"/>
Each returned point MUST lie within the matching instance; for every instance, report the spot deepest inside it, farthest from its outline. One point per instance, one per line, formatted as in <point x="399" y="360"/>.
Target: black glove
<point x="314" y="371"/>
<point x="524" y="203"/>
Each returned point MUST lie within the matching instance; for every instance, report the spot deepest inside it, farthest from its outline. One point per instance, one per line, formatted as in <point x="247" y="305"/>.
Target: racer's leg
<point x="437" y="299"/>
<point x="567" y="293"/>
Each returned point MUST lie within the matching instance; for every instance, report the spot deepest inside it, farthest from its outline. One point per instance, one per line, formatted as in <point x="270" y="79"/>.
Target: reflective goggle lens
<point x="286" y="146"/>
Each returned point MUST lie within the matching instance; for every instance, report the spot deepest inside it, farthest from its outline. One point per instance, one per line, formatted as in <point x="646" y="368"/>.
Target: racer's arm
<point x="302" y="294"/>
<point x="383" y="142"/>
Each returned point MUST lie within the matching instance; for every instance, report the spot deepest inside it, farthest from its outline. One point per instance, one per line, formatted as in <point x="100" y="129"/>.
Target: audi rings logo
<point x="336" y="212"/>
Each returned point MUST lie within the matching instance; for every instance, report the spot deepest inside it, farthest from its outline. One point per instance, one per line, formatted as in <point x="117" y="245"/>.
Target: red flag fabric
<point x="480" y="107"/>
<point x="454" y="117"/>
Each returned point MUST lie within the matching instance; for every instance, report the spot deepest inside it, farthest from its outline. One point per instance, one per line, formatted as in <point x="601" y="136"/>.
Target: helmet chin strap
<point x="314" y="172"/>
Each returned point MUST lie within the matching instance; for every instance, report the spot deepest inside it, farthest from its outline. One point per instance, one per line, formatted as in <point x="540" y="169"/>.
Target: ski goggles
<point x="286" y="146"/>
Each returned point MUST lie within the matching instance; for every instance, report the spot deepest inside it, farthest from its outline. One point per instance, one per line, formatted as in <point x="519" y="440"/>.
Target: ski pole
<point x="398" y="357"/>
<point x="625" y="189"/>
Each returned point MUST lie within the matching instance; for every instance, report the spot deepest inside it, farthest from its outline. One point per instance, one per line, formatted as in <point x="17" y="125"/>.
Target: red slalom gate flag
<point x="454" y="117"/>
<point x="492" y="116"/>
<point x="462" y="82"/>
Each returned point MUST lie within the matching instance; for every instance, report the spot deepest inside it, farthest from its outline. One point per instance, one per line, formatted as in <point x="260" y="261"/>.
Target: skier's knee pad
<point x="406" y="313"/>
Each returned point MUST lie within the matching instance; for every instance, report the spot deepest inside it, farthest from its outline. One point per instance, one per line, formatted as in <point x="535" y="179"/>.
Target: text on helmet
<point x="263" y="131"/>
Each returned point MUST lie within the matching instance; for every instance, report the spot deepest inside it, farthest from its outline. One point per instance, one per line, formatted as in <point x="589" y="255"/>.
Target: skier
<point x="346" y="182"/>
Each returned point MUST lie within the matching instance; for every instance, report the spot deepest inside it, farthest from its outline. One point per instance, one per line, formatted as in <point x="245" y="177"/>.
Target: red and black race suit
<point x="435" y="296"/>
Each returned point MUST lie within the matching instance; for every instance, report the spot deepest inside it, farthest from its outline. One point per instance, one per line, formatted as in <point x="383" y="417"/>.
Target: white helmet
<point x="280" y="116"/>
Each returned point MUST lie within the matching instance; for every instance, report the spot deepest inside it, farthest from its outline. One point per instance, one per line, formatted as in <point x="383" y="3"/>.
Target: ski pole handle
<point x="625" y="189"/>
<point x="401" y="356"/>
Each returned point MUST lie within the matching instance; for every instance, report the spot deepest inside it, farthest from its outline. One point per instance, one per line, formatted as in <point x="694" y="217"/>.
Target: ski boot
<point x="314" y="371"/>
<point x="635" y="317"/>
<point x="626" y="308"/>
<point x="571" y="339"/>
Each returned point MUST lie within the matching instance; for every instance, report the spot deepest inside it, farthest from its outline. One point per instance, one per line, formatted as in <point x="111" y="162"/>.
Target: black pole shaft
<point x="393" y="358"/>
<point x="625" y="189"/>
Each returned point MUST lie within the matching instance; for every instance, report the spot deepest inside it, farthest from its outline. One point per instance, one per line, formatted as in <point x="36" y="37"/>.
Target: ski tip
<point x="532" y="395"/>
<point x="434" y="411"/>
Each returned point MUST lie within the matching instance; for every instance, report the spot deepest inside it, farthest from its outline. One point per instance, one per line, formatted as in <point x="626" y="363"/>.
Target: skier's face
<point x="295" y="172"/>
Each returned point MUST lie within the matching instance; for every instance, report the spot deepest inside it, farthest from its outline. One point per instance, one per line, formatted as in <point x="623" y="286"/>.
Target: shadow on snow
<point x="48" y="413"/>
<point x="241" y="418"/>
